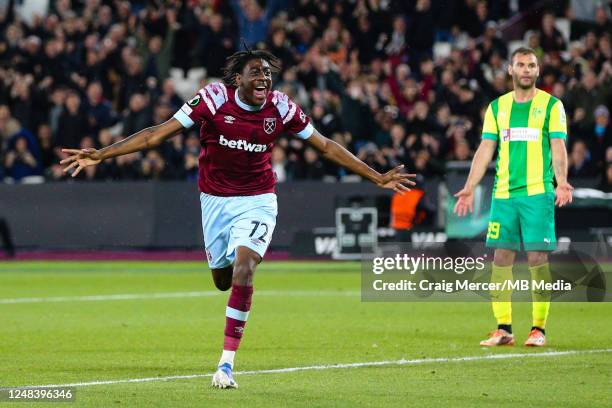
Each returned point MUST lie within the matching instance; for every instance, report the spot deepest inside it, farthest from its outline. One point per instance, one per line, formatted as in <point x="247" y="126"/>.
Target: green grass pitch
<point x="304" y="314"/>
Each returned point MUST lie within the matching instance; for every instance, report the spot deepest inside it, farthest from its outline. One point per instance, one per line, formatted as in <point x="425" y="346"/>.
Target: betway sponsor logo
<point x="520" y="134"/>
<point x="242" y="145"/>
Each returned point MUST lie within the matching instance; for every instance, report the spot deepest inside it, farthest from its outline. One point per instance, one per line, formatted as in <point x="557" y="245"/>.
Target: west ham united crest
<point x="269" y="125"/>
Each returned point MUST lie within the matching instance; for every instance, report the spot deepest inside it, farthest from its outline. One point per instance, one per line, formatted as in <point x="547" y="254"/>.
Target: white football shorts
<point x="230" y="222"/>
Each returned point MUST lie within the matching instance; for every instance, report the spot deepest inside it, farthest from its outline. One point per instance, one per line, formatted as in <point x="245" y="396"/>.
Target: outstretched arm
<point x="393" y="180"/>
<point x="563" y="192"/>
<point x="145" y="139"/>
<point x="481" y="160"/>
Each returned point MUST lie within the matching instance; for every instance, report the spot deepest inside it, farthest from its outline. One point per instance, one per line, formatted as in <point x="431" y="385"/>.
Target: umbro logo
<point x="229" y="119"/>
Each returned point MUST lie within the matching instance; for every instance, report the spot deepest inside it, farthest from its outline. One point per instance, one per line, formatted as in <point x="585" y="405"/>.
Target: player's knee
<point x="243" y="273"/>
<point x="222" y="278"/>
<point x="223" y="284"/>
<point x="243" y="270"/>
<point x="503" y="257"/>
<point x="244" y="266"/>
<point x="536" y="258"/>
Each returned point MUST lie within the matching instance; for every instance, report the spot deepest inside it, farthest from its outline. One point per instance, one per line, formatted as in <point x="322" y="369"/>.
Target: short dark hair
<point x="236" y="62"/>
<point x="523" y="51"/>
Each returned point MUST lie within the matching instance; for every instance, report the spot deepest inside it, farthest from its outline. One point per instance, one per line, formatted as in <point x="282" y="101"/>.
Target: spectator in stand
<point x="20" y="162"/>
<point x="252" y="20"/>
<point x="279" y="46"/>
<point x="373" y="157"/>
<point x="409" y="210"/>
<point x="421" y="32"/>
<point x="154" y="167"/>
<point x="472" y="17"/>
<point x="365" y="40"/>
<point x="492" y="42"/>
<point x="312" y="168"/>
<point x="551" y="38"/>
<point x="606" y="180"/>
<point x="279" y="162"/>
<point x="579" y="161"/>
<point x="192" y="150"/>
<point x="601" y="138"/>
<point x="157" y="51"/>
<point x="108" y="169"/>
<point x="603" y="22"/>
<point x="589" y="15"/>
<point x="133" y="79"/>
<point x="294" y="88"/>
<point x="56" y="107"/>
<point x="359" y="67"/>
<point x="591" y="92"/>
<point x="73" y="123"/>
<point x="355" y="113"/>
<point x="394" y="148"/>
<point x="45" y="140"/>
<point x="99" y="110"/>
<point x="396" y="47"/>
<point x="168" y="95"/>
<point x="139" y="114"/>
<point x="215" y="43"/>
<point x="421" y="164"/>
<point x="173" y="153"/>
<point x="129" y="166"/>
<point x="461" y="151"/>
<point x="23" y="101"/>
<point x="8" y="127"/>
<point x="418" y="119"/>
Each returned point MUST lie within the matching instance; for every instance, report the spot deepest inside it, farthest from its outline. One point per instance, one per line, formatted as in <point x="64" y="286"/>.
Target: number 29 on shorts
<point x="493" y="230"/>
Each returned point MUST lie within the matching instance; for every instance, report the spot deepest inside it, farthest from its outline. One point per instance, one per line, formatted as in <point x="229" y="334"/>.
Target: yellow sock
<point x="501" y="300"/>
<point x="541" y="298"/>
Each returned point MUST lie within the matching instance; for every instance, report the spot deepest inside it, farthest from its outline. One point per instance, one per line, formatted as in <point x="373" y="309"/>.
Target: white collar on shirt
<point x="245" y="106"/>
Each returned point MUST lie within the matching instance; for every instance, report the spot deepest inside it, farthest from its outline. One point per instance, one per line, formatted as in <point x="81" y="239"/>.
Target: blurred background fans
<point x="393" y="81"/>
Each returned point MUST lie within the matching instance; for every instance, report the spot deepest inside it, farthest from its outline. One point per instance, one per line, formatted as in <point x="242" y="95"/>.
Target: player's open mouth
<point x="260" y="92"/>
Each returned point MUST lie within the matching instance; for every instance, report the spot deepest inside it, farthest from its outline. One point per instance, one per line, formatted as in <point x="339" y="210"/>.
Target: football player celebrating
<point x="239" y="121"/>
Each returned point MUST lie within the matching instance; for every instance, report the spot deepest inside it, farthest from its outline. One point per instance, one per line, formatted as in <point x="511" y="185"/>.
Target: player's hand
<point x="79" y="159"/>
<point x="396" y="181"/>
<point x="465" y="202"/>
<point x="563" y="194"/>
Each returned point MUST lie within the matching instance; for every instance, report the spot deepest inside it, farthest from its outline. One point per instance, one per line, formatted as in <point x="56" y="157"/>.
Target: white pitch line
<point x="167" y="295"/>
<point x="334" y="366"/>
<point x="92" y="298"/>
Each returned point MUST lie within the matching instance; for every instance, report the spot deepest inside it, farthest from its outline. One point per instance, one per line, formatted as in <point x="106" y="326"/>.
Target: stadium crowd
<point x="87" y="73"/>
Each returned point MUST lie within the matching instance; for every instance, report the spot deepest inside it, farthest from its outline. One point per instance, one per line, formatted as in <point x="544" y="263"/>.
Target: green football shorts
<point x="530" y="220"/>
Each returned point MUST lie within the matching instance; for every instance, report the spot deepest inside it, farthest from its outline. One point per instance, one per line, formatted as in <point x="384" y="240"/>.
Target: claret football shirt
<point x="236" y="139"/>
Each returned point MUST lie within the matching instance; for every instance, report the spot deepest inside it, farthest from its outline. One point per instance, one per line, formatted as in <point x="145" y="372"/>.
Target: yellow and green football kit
<point x="522" y="209"/>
